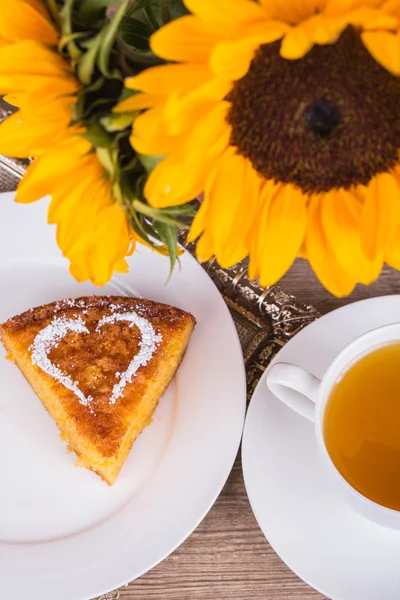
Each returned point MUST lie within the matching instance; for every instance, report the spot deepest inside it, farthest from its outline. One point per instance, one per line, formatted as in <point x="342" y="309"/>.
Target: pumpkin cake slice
<point x="99" y="364"/>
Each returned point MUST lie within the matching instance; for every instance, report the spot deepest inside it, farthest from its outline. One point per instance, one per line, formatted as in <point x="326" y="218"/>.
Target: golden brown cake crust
<point x="94" y="361"/>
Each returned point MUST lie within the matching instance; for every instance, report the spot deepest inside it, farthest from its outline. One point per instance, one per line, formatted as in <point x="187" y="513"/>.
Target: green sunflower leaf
<point x="67" y="29"/>
<point x="156" y="214"/>
<point x="66" y="39"/>
<point x="117" y="121"/>
<point x="109" y="34"/>
<point x="153" y="14"/>
<point x="130" y="165"/>
<point x="53" y="10"/>
<point x="127" y="93"/>
<point x="138" y="228"/>
<point x="136" y="33"/>
<point x="109" y="159"/>
<point x="87" y="64"/>
<point x="150" y="161"/>
<point x="145" y="231"/>
<point x="177" y="9"/>
<point x="97" y="135"/>
<point x="169" y="236"/>
<point x="139" y="5"/>
<point x="185" y="210"/>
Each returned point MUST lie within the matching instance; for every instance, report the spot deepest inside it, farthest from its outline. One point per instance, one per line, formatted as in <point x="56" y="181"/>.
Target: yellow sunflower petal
<point x="233" y="196"/>
<point x="292" y="11"/>
<point x="79" y="224"/>
<point x="187" y="39"/>
<point x="320" y="255"/>
<point x="166" y="186"/>
<point x="345" y="6"/>
<point x="323" y="30"/>
<point x="199" y="222"/>
<point x="55" y="110"/>
<point x="92" y="229"/>
<point x="169" y="79"/>
<point x="284" y="226"/>
<point x="14" y="99"/>
<point x="112" y="244"/>
<point x="232" y="256"/>
<point x="47" y="171"/>
<point x="74" y="207"/>
<point x="121" y="266"/>
<point x="39" y="6"/>
<point x="30" y="189"/>
<point x="380" y="215"/>
<point x="391" y="7"/>
<point x="385" y="48"/>
<point x="21" y="137"/>
<point x="296" y="43"/>
<point x="205" y="248"/>
<point x="182" y="175"/>
<point x="392" y="251"/>
<point x="253" y="269"/>
<point x="74" y="216"/>
<point x="19" y="83"/>
<point x="76" y="144"/>
<point x="30" y="57"/>
<point x="368" y="18"/>
<point x="150" y="136"/>
<point x="316" y="30"/>
<point x="65" y="200"/>
<point x="22" y="21"/>
<point x="79" y="271"/>
<point x="231" y="59"/>
<point x="181" y="112"/>
<point x="33" y="103"/>
<point x="341" y="216"/>
<point x="41" y="176"/>
<point x="81" y="171"/>
<point x="29" y="65"/>
<point x="225" y="14"/>
<point x="258" y="231"/>
<point x="138" y="102"/>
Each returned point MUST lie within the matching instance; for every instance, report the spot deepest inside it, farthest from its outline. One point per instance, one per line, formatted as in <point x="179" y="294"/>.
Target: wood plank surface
<point x="227" y="557"/>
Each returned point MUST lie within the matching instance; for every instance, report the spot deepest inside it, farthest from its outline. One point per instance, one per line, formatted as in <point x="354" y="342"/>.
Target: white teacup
<point x="308" y="396"/>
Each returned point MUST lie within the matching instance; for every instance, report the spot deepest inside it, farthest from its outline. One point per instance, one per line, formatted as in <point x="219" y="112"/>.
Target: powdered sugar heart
<point x="50" y="336"/>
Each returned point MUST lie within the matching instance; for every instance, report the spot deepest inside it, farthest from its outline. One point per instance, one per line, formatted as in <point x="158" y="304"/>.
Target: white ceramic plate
<point x="63" y="532"/>
<point x="306" y="521"/>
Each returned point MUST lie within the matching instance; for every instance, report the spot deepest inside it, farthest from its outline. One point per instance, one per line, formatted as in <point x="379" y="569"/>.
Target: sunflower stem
<point x="155" y="214"/>
<point x="66" y="27"/>
<point x="53" y="10"/>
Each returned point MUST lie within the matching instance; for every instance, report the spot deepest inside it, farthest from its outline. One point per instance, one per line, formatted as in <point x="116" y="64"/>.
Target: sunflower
<point x="285" y="114"/>
<point x="92" y="228"/>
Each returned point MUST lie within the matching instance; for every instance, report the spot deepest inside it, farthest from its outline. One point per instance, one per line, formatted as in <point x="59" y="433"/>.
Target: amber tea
<point x="362" y="426"/>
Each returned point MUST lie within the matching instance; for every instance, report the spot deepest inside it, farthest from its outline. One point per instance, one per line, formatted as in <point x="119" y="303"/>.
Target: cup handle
<point x="295" y="387"/>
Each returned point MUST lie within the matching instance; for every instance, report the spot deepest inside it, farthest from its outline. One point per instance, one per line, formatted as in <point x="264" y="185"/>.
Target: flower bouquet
<point x="282" y="116"/>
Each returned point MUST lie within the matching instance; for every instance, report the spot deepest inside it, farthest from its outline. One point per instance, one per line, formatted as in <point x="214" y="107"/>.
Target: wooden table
<point x="227" y="557"/>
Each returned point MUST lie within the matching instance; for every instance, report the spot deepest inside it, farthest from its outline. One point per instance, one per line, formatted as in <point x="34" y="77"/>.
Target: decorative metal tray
<point x="265" y="318"/>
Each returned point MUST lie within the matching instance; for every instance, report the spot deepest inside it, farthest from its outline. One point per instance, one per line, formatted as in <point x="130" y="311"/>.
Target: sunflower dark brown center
<point x="322" y="117"/>
<point x="328" y="120"/>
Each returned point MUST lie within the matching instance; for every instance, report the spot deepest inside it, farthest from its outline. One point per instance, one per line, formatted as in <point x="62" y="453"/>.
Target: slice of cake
<point x="99" y="364"/>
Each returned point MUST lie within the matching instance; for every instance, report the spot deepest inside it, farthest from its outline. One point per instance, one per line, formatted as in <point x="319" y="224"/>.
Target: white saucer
<point x="65" y="534"/>
<point x="328" y="545"/>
